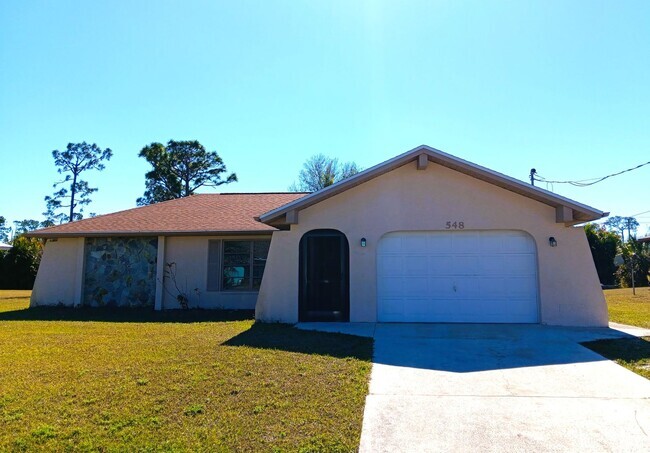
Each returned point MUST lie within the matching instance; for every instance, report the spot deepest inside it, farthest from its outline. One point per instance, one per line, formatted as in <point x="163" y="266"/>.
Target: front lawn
<point x="626" y="308"/>
<point x="632" y="353"/>
<point x="14" y="299"/>
<point x="107" y="380"/>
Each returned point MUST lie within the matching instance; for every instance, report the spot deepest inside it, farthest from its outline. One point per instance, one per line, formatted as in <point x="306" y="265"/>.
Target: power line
<point x="586" y="182"/>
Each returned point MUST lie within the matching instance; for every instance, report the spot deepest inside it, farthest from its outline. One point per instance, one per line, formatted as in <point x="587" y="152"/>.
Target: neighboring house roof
<point x="567" y="211"/>
<point x="203" y="214"/>
<point x="4" y="246"/>
<point x="646" y="239"/>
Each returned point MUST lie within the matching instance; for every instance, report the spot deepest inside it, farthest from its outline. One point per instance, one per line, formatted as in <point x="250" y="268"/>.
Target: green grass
<point x="115" y="380"/>
<point x="626" y="308"/>
<point x="11" y="300"/>
<point x="632" y="353"/>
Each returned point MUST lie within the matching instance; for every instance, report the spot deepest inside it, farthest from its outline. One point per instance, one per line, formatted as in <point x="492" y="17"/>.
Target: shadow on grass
<point x="124" y="315"/>
<point x="284" y="337"/>
<point x="626" y="349"/>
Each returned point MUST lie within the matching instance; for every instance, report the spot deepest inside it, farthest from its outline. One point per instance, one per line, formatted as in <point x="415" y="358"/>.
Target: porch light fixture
<point x="363" y="242"/>
<point x="552" y="242"/>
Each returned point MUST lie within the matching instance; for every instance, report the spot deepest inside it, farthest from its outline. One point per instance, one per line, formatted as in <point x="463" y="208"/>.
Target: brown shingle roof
<point x="195" y="215"/>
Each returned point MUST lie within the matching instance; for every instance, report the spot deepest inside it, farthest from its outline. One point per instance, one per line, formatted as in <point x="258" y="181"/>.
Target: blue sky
<point x="556" y="85"/>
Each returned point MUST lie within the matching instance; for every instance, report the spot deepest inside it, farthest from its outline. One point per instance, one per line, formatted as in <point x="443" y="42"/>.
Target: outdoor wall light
<point x="363" y="242"/>
<point x="552" y="242"/>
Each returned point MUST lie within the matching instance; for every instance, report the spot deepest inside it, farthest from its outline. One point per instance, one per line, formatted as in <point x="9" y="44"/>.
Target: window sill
<point x="233" y="291"/>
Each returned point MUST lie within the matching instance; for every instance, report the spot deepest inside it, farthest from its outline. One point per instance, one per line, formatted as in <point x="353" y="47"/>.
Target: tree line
<point x="618" y="259"/>
<point x="178" y="169"/>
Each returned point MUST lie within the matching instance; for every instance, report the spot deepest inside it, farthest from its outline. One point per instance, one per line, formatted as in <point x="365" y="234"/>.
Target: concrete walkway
<point x="457" y="387"/>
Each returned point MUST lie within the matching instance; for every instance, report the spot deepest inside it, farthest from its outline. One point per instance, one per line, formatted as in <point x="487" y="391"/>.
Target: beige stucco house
<point x="423" y="237"/>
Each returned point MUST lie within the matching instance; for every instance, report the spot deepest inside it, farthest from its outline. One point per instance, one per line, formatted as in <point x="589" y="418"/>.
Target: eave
<point x="45" y="235"/>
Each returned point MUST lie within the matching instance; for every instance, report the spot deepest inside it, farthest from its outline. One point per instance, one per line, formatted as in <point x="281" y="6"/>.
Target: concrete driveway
<point x="454" y="387"/>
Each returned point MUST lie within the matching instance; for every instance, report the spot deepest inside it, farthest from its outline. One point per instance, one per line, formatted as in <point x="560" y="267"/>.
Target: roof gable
<point x="568" y="211"/>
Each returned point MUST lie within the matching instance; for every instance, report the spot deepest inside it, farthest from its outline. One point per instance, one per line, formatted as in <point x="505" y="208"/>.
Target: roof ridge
<point x="254" y="193"/>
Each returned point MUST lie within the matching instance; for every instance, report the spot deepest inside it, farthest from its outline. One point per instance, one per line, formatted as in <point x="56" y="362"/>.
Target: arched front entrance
<point x="324" y="277"/>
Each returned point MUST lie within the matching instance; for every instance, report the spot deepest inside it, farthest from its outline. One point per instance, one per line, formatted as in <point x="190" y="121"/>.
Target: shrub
<point x="18" y="265"/>
<point x="604" y="246"/>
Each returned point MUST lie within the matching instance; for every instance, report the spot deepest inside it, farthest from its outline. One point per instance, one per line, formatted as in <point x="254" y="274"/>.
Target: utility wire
<point x="588" y="182"/>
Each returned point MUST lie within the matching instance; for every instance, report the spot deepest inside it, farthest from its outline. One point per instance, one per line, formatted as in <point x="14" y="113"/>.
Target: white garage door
<point x="457" y="276"/>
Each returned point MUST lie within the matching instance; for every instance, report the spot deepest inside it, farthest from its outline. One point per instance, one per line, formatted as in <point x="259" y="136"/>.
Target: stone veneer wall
<point x="120" y="271"/>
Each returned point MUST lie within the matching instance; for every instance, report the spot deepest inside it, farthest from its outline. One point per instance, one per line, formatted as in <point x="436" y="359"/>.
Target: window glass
<point x="261" y="250"/>
<point x="231" y="247"/>
<point x="235" y="277"/>
<point x="243" y="264"/>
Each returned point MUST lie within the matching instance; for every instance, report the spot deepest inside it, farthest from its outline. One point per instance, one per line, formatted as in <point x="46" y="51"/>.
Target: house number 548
<point x="455" y="225"/>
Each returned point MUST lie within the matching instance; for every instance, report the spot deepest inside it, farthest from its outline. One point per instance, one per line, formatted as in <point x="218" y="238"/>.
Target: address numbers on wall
<point x="455" y="225"/>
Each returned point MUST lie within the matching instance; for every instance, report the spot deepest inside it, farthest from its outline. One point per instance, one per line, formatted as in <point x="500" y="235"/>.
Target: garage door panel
<point x="390" y="265"/>
<point x="415" y="265"/>
<point x="439" y="265"/>
<point x="414" y="243"/>
<point x="415" y="286"/>
<point x="468" y="276"/>
<point x="520" y="264"/>
<point x="391" y="287"/>
<point x="492" y="242"/>
<point x="466" y="243"/>
<point x="392" y="243"/>
<point x="419" y="306"/>
<point x="440" y="288"/>
<point x="491" y="264"/>
<point x="464" y="265"/>
<point x="518" y="243"/>
<point x="492" y="287"/>
<point x="467" y="288"/>
<point x="393" y="308"/>
<point x="520" y="307"/>
<point x="522" y="288"/>
<point x="443" y="307"/>
<point x="442" y="243"/>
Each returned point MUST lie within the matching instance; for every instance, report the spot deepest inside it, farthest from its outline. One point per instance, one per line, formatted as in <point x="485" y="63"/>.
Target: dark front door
<point x="324" y="276"/>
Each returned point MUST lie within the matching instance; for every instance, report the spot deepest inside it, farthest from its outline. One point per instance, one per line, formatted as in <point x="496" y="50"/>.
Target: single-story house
<point x="422" y="237"/>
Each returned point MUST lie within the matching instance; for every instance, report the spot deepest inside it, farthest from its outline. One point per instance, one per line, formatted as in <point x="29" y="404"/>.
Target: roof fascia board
<point x="148" y="233"/>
